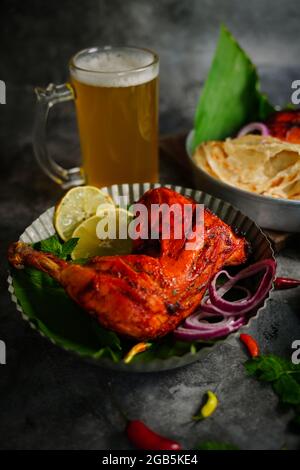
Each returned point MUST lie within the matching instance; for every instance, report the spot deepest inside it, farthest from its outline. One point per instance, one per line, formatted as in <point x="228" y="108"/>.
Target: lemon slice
<point x="100" y="235"/>
<point x="77" y="205"/>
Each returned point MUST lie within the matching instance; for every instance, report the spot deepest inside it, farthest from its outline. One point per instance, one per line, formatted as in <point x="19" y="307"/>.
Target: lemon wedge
<point x="77" y="205"/>
<point x="103" y="234"/>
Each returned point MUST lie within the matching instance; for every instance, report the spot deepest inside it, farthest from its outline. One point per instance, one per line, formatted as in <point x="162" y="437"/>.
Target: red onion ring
<point x="254" y="126"/>
<point x="195" y="322"/>
<point x="190" y="334"/>
<point x="196" y="327"/>
<point x="242" y="306"/>
<point x="211" y="310"/>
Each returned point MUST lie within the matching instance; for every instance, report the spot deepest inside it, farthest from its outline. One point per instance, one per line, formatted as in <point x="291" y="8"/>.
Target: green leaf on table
<point x="231" y="96"/>
<point x="266" y="368"/>
<point x="270" y="367"/>
<point x="214" y="445"/>
<point x="284" y="377"/>
<point x="288" y="389"/>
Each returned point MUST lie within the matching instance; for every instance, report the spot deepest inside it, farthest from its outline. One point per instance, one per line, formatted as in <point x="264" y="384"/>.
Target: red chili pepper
<point x="251" y="344"/>
<point x="281" y="283"/>
<point x="143" y="437"/>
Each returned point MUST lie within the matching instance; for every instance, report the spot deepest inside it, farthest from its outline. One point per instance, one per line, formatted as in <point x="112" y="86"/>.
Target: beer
<point x="116" y="97"/>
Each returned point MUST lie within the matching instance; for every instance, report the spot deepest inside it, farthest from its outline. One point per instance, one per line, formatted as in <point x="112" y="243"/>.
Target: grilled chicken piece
<point x="285" y="125"/>
<point x="147" y="294"/>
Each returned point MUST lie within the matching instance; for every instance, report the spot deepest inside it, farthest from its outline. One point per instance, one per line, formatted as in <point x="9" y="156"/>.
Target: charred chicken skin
<point x="147" y="294"/>
<point x="285" y="125"/>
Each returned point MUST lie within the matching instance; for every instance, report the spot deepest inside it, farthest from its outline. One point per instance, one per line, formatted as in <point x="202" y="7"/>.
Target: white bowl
<point x="42" y="228"/>
<point x="268" y="212"/>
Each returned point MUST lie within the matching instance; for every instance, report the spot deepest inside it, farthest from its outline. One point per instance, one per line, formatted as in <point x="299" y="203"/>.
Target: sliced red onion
<point x="244" y="305"/>
<point x="208" y="309"/>
<point x="254" y="126"/>
<point x="195" y="322"/>
<point x="238" y="288"/>
<point x="232" y="314"/>
<point x="218" y="331"/>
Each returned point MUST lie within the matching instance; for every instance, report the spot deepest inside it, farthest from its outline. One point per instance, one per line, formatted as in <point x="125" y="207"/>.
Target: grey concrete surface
<point x="48" y="398"/>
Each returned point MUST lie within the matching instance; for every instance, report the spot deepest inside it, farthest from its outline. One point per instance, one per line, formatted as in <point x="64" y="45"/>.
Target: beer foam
<point x="113" y="67"/>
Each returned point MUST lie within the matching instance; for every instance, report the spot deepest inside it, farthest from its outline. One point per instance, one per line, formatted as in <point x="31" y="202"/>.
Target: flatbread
<point x="261" y="164"/>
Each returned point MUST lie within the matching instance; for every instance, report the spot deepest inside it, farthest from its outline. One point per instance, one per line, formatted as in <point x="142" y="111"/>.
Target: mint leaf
<point x="49" y="245"/>
<point x="287" y="389"/>
<point x="214" y="445"/>
<point x="284" y="376"/>
<point x="68" y="247"/>
<point x="267" y="368"/>
<point x="231" y="96"/>
<point x="55" y="247"/>
<point x="295" y="371"/>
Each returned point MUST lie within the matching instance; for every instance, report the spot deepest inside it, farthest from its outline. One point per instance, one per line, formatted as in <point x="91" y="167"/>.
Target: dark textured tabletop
<point x="50" y="399"/>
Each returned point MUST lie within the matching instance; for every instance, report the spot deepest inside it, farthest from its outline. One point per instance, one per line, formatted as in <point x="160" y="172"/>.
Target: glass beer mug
<point x="115" y="90"/>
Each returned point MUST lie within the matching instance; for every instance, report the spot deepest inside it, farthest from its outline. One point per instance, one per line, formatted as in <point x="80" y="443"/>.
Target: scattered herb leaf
<point x="283" y="375"/>
<point x="267" y="368"/>
<point x="288" y="389"/>
<point x="68" y="247"/>
<point x="54" y="246"/>
<point x="214" y="445"/>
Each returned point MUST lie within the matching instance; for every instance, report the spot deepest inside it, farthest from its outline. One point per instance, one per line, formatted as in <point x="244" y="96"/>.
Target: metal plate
<point x="43" y="227"/>
<point x="268" y="212"/>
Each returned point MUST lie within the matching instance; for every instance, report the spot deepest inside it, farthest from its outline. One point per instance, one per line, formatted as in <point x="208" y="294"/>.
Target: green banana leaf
<point x="231" y="95"/>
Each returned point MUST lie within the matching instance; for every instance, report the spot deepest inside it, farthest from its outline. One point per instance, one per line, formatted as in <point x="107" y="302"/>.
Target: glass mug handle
<point x="46" y="98"/>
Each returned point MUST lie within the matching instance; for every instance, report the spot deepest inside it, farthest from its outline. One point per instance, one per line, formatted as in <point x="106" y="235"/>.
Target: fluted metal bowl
<point x="268" y="212"/>
<point x="43" y="227"/>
